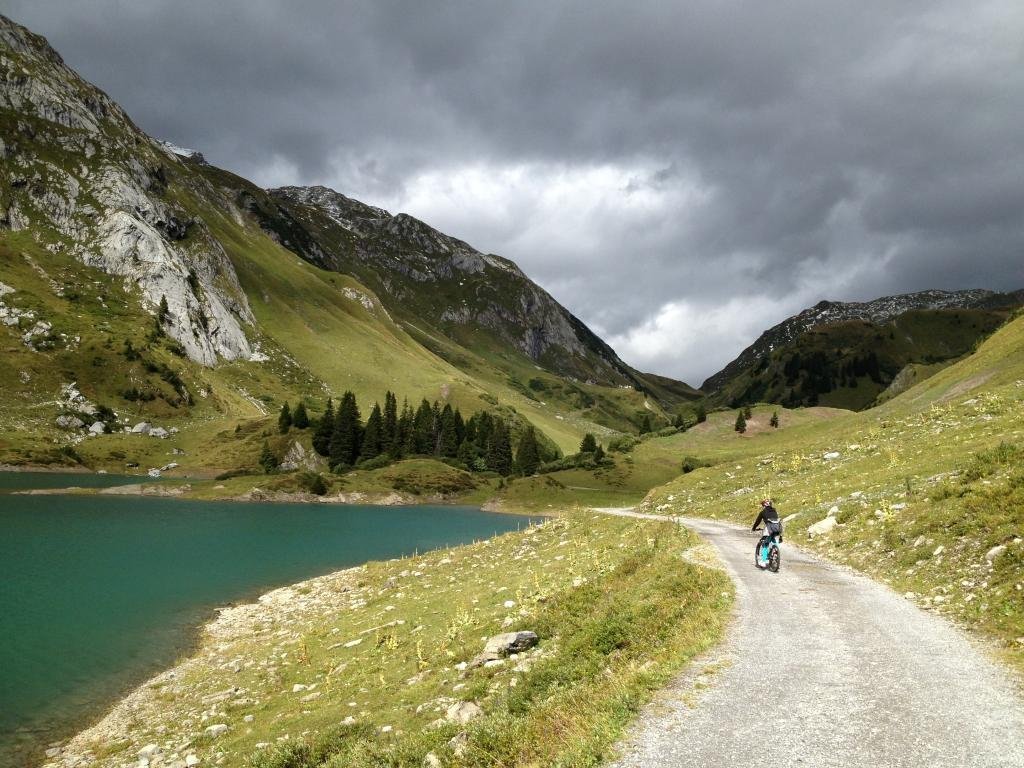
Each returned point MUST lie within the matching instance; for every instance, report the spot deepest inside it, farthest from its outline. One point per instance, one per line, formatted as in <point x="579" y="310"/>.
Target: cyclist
<point x="772" y="524"/>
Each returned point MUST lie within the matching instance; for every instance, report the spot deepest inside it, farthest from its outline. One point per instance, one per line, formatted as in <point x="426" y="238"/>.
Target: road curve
<point x="824" y="667"/>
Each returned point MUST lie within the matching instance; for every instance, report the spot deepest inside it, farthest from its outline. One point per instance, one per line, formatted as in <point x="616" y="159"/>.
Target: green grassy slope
<point x="928" y="488"/>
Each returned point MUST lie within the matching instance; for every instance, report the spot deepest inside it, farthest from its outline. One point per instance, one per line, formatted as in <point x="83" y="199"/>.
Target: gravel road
<point x="827" y="668"/>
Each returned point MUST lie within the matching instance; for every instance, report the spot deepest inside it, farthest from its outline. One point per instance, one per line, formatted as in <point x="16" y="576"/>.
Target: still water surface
<point x="97" y="592"/>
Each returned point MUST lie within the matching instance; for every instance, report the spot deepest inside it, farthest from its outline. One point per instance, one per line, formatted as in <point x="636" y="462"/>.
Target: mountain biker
<point x="770" y="518"/>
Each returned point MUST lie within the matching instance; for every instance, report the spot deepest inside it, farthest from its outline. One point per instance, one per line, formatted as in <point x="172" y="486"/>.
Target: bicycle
<point x="767" y="555"/>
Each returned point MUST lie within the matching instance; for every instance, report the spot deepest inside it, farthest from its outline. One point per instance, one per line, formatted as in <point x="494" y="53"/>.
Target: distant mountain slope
<point x="847" y="354"/>
<point x="879" y="311"/>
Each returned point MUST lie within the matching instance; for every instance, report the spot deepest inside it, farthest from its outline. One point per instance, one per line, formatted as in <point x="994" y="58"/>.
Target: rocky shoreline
<point x="143" y="712"/>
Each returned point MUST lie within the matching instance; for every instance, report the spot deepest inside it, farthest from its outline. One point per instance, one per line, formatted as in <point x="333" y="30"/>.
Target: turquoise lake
<point x="97" y="592"/>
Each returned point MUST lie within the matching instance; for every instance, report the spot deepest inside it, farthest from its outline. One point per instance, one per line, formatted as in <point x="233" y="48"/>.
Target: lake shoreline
<point x="229" y="621"/>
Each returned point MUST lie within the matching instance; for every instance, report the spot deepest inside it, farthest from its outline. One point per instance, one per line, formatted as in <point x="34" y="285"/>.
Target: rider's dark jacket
<point x="767" y="514"/>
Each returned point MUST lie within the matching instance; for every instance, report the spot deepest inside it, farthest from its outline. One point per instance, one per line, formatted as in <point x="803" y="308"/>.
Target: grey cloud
<point x="838" y="150"/>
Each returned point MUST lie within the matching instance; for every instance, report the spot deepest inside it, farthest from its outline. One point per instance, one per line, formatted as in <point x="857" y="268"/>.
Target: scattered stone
<point x="919" y="541"/>
<point x="149" y="751"/>
<point x="833" y="511"/>
<point x="160" y="432"/>
<point x="509" y="604"/>
<point x="298" y="687"/>
<point x="832" y="455"/>
<point x="97" y="428"/>
<point x="995" y="552"/>
<point x="218" y="729"/>
<point x="822" y="527"/>
<point x="67" y="421"/>
<point x="431" y="761"/>
<point x="459" y="743"/>
<point x="193" y="759"/>
<point x="311" y="697"/>
<point x="462" y="712"/>
<point x="154" y="472"/>
<point x="352" y="643"/>
<point x="248" y="718"/>
<point x="938" y="551"/>
<point x="142" y="428"/>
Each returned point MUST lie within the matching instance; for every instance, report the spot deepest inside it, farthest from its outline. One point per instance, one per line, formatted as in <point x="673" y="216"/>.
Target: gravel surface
<point x="824" y="667"/>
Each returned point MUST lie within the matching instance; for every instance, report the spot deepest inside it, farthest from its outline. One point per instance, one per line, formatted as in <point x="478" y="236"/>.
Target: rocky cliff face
<point x="879" y="311"/>
<point x="83" y="179"/>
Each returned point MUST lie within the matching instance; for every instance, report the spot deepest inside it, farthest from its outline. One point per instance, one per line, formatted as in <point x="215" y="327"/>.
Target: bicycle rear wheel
<point x="774" y="559"/>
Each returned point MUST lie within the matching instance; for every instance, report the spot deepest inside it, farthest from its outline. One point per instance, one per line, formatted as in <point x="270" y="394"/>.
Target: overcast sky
<point x="679" y="175"/>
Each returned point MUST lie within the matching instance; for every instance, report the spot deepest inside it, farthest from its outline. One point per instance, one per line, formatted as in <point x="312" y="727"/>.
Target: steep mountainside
<point x="847" y="354"/>
<point x="481" y="301"/>
<point x="155" y="287"/>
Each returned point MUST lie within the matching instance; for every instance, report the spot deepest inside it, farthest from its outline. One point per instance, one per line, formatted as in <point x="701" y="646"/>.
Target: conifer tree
<point x="423" y="427"/>
<point x="460" y="427"/>
<point x="702" y="414"/>
<point x="528" y="453"/>
<point x="741" y="423"/>
<point x="406" y="442"/>
<point x="747" y="413"/>
<point x="484" y="428"/>
<point x="267" y="458"/>
<point x="345" y="438"/>
<point x="467" y="452"/>
<point x="284" y="419"/>
<point x="389" y="437"/>
<point x="588" y="444"/>
<point x="372" y="435"/>
<point x="645" y="424"/>
<point x="599" y="454"/>
<point x="775" y="419"/>
<point x="324" y="430"/>
<point x="448" y="437"/>
<point x="499" y="450"/>
<point x="300" y="419"/>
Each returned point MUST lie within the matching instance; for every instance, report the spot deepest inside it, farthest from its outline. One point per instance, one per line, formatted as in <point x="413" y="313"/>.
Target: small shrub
<point x="622" y="444"/>
<point x="690" y="463"/>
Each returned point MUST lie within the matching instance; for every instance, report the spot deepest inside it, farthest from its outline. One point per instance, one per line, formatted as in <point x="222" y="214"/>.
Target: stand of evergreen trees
<point x="481" y="443"/>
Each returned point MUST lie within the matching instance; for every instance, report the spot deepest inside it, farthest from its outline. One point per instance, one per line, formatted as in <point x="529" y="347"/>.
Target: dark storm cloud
<point x="680" y="177"/>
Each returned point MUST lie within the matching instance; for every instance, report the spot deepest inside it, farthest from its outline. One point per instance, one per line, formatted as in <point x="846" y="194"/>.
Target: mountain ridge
<point x="879" y="311"/>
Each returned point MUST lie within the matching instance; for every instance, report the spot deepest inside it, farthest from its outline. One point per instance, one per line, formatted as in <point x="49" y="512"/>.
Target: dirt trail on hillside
<point x="824" y="667"/>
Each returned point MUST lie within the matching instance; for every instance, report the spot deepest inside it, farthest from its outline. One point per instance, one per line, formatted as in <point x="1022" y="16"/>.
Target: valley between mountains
<point x="169" y="320"/>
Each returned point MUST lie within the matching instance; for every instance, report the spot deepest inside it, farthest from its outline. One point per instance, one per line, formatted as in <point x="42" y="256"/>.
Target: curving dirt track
<point x="827" y="668"/>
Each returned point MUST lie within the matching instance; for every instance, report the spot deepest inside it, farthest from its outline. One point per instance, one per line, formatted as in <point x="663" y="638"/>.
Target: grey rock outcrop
<point x="462" y="712"/>
<point x="103" y="189"/>
<point x="297" y="457"/>
<point x="500" y="646"/>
